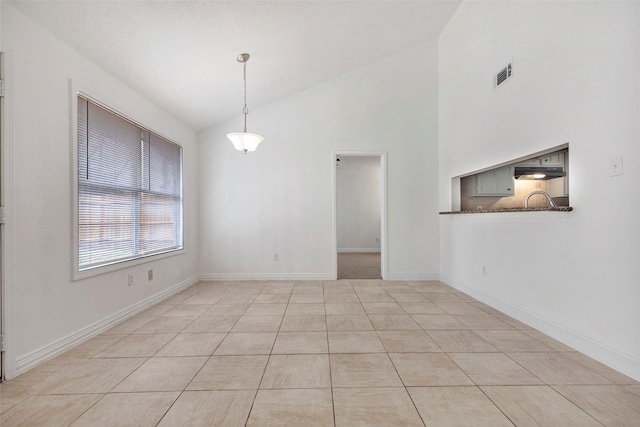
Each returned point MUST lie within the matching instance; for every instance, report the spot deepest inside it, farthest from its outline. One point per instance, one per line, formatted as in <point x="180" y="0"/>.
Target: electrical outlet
<point x="150" y="273"/>
<point x="130" y="279"/>
<point x="276" y="256"/>
<point x="484" y="270"/>
<point x="615" y="166"/>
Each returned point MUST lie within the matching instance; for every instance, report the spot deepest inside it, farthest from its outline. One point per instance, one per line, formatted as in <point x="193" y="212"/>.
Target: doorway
<point x="359" y="214"/>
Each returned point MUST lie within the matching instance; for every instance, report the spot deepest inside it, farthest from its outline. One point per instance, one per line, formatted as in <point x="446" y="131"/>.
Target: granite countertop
<point x="545" y="209"/>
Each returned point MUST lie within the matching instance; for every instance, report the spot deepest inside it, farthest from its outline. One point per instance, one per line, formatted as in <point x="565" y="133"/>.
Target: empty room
<point x="331" y="213"/>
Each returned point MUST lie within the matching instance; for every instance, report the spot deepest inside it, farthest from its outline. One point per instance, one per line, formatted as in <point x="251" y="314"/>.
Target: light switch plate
<point x="615" y="166"/>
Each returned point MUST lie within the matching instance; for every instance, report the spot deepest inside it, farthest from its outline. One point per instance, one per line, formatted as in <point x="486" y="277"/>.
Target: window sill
<point x="80" y="275"/>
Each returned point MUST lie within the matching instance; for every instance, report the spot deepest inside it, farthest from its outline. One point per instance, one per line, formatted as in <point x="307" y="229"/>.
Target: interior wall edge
<point x="47" y="352"/>
<point x="613" y="358"/>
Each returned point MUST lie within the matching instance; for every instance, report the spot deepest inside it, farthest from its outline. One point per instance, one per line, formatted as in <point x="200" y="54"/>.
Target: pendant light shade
<point x="244" y="141"/>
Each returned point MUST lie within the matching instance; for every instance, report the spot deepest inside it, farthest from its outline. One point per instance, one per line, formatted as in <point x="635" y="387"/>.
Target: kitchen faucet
<point x="526" y="201"/>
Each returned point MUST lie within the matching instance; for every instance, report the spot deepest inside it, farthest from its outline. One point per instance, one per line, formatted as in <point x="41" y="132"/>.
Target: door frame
<point x="383" y="204"/>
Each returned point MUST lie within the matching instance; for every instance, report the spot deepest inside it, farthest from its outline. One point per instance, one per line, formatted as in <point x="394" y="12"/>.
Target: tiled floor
<point x="339" y="353"/>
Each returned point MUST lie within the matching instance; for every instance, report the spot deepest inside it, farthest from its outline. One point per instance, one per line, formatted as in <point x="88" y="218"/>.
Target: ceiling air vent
<point x="503" y="75"/>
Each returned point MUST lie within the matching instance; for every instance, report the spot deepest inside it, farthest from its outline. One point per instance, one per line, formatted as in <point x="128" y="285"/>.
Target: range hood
<point x="538" y="172"/>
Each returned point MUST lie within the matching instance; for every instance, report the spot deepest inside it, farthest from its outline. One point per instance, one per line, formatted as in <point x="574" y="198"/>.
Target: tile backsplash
<point x="470" y="202"/>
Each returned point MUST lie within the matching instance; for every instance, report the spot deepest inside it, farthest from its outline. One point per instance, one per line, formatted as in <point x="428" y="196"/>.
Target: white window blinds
<point x="129" y="189"/>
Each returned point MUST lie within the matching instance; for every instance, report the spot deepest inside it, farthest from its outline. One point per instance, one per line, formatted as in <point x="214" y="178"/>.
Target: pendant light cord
<point x="245" y="111"/>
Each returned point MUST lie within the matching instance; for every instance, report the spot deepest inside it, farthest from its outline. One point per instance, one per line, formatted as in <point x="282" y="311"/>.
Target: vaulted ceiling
<point x="182" y="54"/>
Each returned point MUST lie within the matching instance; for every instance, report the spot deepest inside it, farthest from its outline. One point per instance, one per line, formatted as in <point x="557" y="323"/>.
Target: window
<point x="129" y="190"/>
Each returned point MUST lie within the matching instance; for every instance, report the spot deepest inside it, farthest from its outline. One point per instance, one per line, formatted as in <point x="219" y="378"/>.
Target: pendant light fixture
<point x="244" y="141"/>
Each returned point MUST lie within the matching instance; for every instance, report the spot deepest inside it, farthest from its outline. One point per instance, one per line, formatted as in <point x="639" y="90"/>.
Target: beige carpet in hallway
<point x="359" y="265"/>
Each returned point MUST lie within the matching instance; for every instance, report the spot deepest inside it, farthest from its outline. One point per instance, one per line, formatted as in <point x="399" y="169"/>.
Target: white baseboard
<point x="30" y="360"/>
<point x="615" y="359"/>
<point x="266" y="276"/>
<point x="359" y="250"/>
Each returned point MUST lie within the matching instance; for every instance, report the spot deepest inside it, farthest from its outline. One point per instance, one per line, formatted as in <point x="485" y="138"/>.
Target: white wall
<point x="46" y="307"/>
<point x="576" y="68"/>
<point x="358" y="199"/>
<point x="280" y="197"/>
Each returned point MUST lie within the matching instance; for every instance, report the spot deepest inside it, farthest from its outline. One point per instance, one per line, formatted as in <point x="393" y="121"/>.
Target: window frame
<point x="76" y="273"/>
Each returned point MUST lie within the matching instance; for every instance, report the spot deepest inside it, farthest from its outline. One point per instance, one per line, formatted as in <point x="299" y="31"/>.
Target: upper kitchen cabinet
<point x="496" y="182"/>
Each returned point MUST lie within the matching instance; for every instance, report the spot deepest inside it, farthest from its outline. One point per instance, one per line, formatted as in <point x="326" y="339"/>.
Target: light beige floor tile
<point x="375" y="298"/>
<point x="300" y="343"/>
<point x="338" y="288"/>
<point x="258" y="324"/>
<point x="537" y="406"/>
<point x="512" y="341"/>
<point x="611" y="405"/>
<point x="175" y="299"/>
<point x="481" y="321"/>
<point x="459" y="308"/>
<point x="226" y="309"/>
<point x="266" y="309"/>
<point x="421" y="308"/>
<point x="162" y="374"/>
<point x="363" y="370"/>
<point x="308" y="298"/>
<point x="292" y="408"/>
<point x="600" y="369"/>
<point x="297" y="371"/>
<point x="430" y="322"/>
<point x="456" y="406"/>
<point x="348" y="322"/>
<point x="203" y="298"/>
<point x="11" y="394"/>
<point x="272" y="299"/>
<point x="493" y="369"/>
<point x="633" y="388"/>
<point x="344" y="308"/>
<point x="277" y="290"/>
<point x="165" y="325"/>
<point x="192" y="345"/>
<point x="237" y="299"/>
<point x="247" y="343"/>
<point x="408" y="297"/>
<point x="341" y="297"/>
<point x="374" y="407"/>
<point x="96" y="376"/>
<point x="212" y="324"/>
<point x="93" y="346"/>
<point x="41" y="411"/>
<point x="128" y="409"/>
<point x="407" y="342"/>
<point x="428" y="369"/>
<point x="137" y="346"/>
<point x="547" y="340"/>
<point x="210" y="409"/>
<point x="355" y="342"/>
<point x="393" y="322"/>
<point x="157" y="310"/>
<point x="230" y="373"/>
<point x="308" y="287"/>
<point x="383" y="308"/>
<point x="557" y="368"/>
<point x="303" y="323"/>
<point x="187" y="310"/>
<point x="461" y="341"/>
<point x="128" y="326"/>
<point x="442" y="296"/>
<point x="305" y="308"/>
